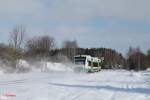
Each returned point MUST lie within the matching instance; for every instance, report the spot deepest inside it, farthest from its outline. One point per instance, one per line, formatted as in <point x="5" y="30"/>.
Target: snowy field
<point x="67" y="85"/>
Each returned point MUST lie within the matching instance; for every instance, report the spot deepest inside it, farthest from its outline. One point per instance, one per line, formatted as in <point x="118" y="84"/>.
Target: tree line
<point x="44" y="48"/>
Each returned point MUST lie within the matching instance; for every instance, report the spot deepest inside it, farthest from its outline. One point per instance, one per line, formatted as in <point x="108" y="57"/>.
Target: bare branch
<point x="17" y="36"/>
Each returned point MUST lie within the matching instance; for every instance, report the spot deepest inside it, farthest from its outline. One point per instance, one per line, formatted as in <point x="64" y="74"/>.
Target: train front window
<point x="95" y="64"/>
<point x="80" y="60"/>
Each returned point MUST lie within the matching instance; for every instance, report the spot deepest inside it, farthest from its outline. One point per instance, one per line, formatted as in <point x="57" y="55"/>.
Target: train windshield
<point x="80" y="60"/>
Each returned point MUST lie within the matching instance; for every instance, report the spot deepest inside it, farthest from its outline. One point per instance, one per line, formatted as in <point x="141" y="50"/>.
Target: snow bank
<point x="148" y="69"/>
<point x="1" y="72"/>
<point x="2" y="66"/>
<point x="137" y="74"/>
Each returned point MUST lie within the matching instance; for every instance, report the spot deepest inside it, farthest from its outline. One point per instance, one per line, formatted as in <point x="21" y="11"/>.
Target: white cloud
<point x="13" y="9"/>
<point x="72" y="10"/>
<point x="87" y="9"/>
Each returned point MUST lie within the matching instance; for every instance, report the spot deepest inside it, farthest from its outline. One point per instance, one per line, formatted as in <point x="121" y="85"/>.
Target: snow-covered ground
<point x="67" y="85"/>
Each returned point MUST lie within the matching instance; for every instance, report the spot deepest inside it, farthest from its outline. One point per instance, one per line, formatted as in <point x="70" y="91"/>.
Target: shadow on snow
<point x="111" y="88"/>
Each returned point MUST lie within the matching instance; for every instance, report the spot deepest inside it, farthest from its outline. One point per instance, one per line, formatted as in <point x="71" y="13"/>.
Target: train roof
<point x="95" y="59"/>
<point x="82" y="56"/>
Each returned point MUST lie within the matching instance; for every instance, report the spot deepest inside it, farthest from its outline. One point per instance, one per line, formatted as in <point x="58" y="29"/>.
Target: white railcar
<point x="87" y="63"/>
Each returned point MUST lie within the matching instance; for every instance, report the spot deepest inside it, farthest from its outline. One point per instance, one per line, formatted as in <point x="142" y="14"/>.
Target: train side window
<point x="89" y="63"/>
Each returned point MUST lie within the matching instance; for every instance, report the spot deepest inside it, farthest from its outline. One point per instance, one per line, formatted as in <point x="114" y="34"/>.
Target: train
<point x="87" y="63"/>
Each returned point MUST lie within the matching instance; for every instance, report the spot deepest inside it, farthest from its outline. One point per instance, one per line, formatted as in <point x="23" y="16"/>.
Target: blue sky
<point x="115" y="24"/>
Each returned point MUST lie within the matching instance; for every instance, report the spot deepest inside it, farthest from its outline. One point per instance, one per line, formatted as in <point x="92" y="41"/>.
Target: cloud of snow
<point x="24" y="66"/>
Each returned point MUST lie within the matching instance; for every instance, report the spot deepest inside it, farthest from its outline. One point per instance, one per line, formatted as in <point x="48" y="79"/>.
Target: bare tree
<point x="17" y="36"/>
<point x="41" y="42"/>
<point x="40" y="45"/>
<point x="70" y="48"/>
<point x="46" y="42"/>
<point x="136" y="59"/>
<point x="70" y="44"/>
